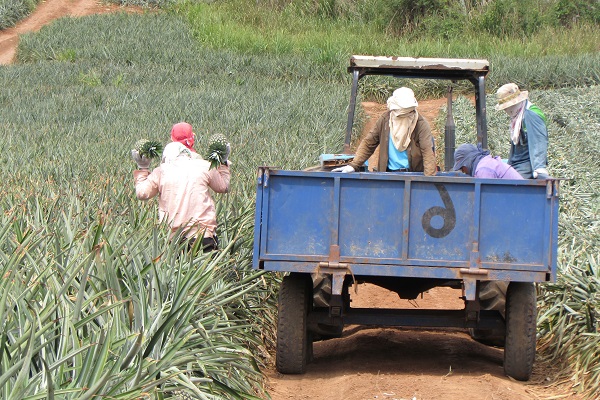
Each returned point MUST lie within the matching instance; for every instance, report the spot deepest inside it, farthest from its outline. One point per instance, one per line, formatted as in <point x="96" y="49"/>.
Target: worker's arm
<point x="219" y="178"/>
<point x="146" y="183"/>
<point x="537" y="139"/>
<point x="369" y="143"/>
<point x="425" y="144"/>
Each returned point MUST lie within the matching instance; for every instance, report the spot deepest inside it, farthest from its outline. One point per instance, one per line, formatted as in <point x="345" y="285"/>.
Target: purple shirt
<point x="493" y="167"/>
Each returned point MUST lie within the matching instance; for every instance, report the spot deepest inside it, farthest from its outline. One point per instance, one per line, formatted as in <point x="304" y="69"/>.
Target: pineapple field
<point x="95" y="302"/>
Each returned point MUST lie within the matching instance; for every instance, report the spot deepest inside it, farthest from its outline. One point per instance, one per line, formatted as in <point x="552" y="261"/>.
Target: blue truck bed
<point x="449" y="226"/>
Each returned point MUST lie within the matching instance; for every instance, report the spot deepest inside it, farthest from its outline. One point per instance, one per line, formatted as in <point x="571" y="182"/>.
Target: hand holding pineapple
<point x="145" y="150"/>
<point x="218" y="150"/>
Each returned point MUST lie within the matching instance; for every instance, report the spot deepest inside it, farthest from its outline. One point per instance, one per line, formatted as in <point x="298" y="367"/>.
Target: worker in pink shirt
<point x="473" y="160"/>
<point x="182" y="183"/>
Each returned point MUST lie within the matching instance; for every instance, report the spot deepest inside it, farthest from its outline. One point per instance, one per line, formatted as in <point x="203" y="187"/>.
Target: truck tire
<point x="293" y="341"/>
<point x="492" y="296"/>
<point x="321" y="290"/>
<point x="321" y="284"/>
<point x="521" y="319"/>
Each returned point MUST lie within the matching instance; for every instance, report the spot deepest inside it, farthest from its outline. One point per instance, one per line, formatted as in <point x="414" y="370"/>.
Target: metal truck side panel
<point x="447" y="226"/>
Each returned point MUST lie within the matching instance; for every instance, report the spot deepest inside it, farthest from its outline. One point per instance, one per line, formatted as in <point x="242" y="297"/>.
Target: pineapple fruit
<point x="149" y="148"/>
<point x="217" y="149"/>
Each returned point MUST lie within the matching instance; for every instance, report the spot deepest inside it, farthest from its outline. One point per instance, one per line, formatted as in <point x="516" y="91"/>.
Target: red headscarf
<point x="182" y="133"/>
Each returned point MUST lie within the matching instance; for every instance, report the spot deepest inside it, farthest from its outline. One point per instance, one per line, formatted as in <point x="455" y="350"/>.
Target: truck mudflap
<point x="406" y="225"/>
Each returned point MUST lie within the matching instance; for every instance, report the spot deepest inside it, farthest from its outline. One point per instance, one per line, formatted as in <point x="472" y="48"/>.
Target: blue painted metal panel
<point x="299" y="215"/>
<point x="371" y="218"/>
<point x="257" y="219"/>
<point x="410" y="271"/>
<point x="514" y="218"/>
<point x="441" y="219"/>
<point x="407" y="225"/>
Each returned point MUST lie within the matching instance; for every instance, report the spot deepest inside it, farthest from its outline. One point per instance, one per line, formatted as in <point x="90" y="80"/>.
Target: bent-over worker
<point x="473" y="160"/>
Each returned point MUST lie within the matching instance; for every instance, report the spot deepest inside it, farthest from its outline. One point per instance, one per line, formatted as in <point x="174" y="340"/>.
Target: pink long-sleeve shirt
<point x="183" y="193"/>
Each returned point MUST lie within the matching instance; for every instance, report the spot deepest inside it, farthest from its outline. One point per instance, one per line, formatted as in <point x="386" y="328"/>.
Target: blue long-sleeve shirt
<point x="530" y="153"/>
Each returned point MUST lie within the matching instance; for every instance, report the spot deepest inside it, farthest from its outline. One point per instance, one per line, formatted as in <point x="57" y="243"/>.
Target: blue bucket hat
<point x="468" y="155"/>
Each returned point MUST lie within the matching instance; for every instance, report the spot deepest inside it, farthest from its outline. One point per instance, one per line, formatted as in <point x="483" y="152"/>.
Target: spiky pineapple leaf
<point x="149" y="148"/>
<point x="217" y="149"/>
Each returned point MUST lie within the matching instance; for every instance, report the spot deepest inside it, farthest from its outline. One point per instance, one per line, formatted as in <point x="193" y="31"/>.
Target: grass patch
<point x="12" y="11"/>
<point x="550" y="58"/>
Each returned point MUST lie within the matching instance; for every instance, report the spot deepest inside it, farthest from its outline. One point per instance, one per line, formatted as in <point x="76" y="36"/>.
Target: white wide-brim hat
<point x="509" y="95"/>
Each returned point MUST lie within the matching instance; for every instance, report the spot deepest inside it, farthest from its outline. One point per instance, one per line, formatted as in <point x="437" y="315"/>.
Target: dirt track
<point x="389" y="363"/>
<point x="369" y="363"/>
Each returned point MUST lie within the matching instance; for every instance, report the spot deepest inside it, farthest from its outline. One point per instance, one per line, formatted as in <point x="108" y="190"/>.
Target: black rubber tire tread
<point x="492" y="295"/>
<point x="321" y="290"/>
<point x="521" y="320"/>
<point x="293" y="345"/>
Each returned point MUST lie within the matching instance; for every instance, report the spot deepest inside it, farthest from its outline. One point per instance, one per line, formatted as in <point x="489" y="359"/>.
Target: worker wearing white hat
<point x="403" y="136"/>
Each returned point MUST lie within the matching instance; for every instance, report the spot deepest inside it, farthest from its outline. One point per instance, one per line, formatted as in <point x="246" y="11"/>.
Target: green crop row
<point x="12" y="11"/>
<point x="95" y="105"/>
<point x="72" y="110"/>
<point x="550" y="58"/>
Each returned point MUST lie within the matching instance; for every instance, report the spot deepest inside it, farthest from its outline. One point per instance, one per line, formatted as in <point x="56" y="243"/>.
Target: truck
<point x="324" y="231"/>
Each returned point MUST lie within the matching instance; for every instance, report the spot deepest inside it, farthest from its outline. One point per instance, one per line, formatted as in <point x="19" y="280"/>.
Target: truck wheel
<point x="521" y="319"/>
<point x="492" y="296"/>
<point x="321" y="290"/>
<point x="293" y="342"/>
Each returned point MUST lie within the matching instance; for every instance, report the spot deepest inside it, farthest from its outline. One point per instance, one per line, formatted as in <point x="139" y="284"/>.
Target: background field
<point x="80" y="255"/>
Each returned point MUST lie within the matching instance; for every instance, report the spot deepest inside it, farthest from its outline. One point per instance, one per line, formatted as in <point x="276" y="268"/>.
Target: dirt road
<point x="370" y="363"/>
<point x="389" y="363"/>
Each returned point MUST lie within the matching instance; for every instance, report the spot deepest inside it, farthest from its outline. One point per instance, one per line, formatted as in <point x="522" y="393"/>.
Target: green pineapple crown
<point x="217" y="149"/>
<point x="149" y="148"/>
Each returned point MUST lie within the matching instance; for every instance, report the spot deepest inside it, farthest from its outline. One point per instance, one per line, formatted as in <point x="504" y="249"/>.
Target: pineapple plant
<point x="217" y="150"/>
<point x="149" y="148"/>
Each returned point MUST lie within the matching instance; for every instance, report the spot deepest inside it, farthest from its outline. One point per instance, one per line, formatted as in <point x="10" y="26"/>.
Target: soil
<point x="370" y="362"/>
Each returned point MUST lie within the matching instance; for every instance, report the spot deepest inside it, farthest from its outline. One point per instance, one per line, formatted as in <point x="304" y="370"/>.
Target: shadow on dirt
<point x="405" y="351"/>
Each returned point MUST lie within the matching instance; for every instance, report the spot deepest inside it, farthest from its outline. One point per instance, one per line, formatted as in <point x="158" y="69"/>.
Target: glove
<point x="142" y="162"/>
<point x="541" y="173"/>
<point x="344" y="169"/>
<point x="226" y="156"/>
